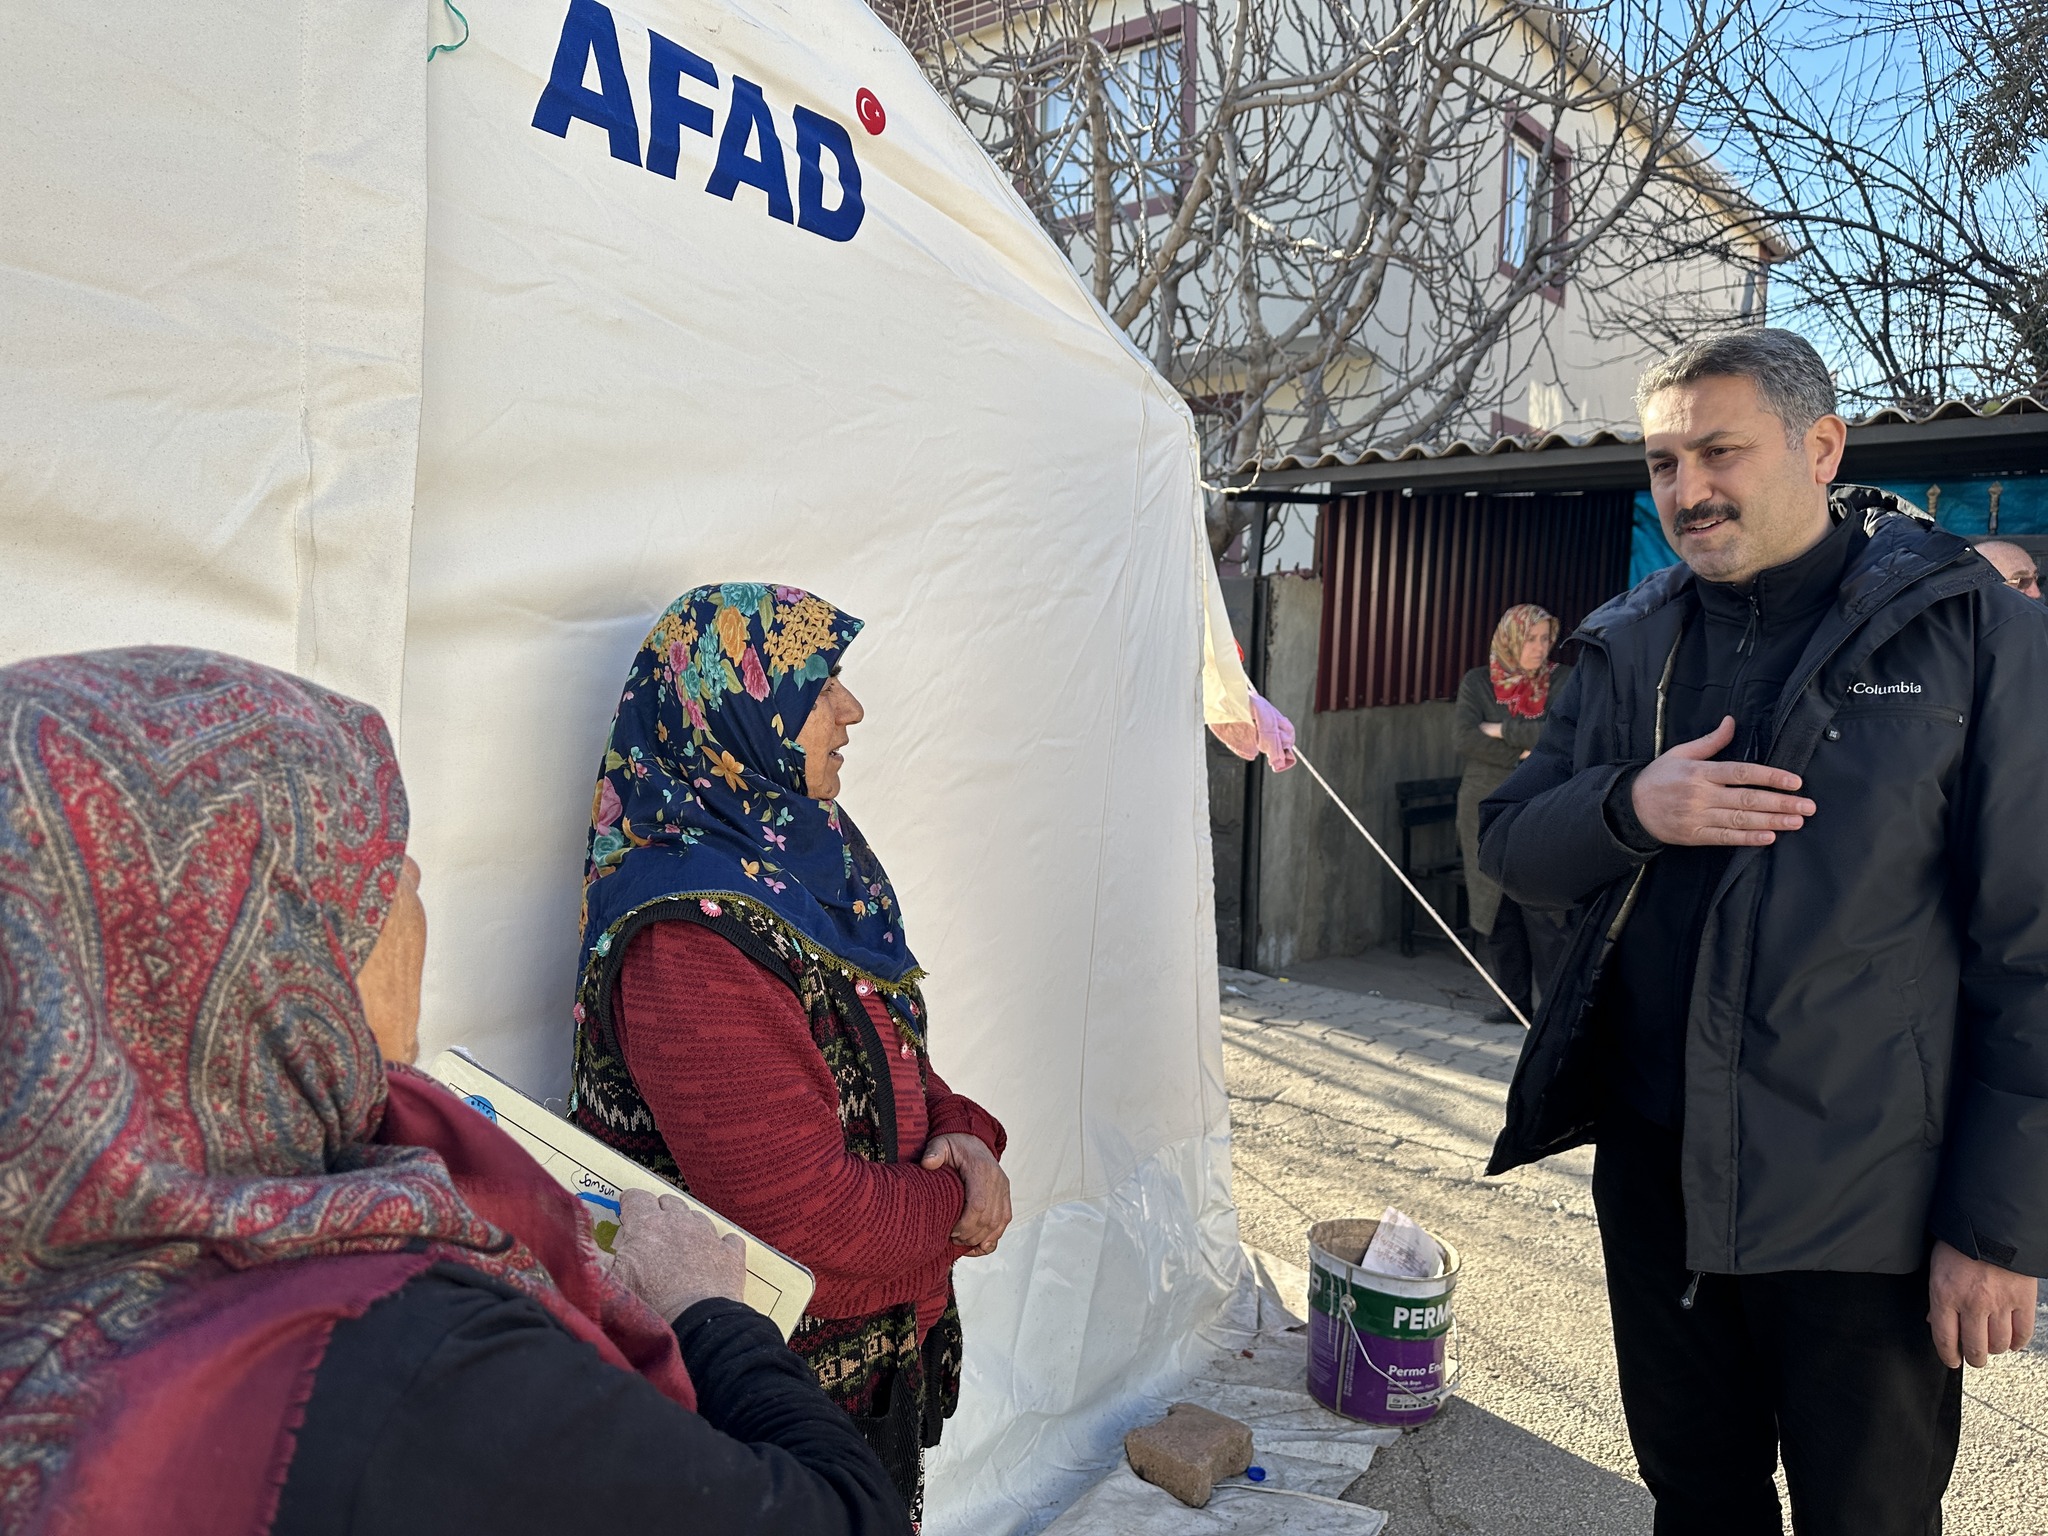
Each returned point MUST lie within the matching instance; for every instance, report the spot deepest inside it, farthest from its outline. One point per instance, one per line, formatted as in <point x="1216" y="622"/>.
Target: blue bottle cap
<point x="1256" y="1474"/>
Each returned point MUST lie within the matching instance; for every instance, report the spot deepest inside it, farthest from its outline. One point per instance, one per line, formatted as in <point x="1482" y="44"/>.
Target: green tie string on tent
<point x="451" y="47"/>
<point x="1401" y="875"/>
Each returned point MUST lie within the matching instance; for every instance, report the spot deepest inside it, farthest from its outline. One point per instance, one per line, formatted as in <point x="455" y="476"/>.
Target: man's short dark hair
<point x="1793" y="383"/>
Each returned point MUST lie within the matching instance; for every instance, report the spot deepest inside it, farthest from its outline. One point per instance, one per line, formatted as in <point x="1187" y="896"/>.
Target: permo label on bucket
<point x="1372" y="1311"/>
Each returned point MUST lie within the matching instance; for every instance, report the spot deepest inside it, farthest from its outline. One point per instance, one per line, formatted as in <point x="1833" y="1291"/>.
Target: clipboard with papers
<point x="777" y="1286"/>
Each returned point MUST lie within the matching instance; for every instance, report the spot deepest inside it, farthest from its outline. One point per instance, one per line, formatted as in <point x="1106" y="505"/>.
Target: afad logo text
<point x="750" y="151"/>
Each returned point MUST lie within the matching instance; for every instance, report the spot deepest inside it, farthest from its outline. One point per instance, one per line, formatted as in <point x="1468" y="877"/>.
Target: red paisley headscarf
<point x="200" y="1170"/>
<point x="1526" y="694"/>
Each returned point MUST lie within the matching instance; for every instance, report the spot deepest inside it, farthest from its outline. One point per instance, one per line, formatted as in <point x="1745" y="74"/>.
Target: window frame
<point x="1181" y="21"/>
<point x="1755" y="306"/>
<point x="1525" y="132"/>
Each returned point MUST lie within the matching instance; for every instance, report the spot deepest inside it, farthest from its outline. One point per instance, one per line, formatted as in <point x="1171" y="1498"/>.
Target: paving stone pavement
<point x="1343" y="1103"/>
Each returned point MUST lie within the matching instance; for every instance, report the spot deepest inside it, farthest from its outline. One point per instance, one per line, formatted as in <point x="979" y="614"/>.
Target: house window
<point x="1216" y="423"/>
<point x="1147" y="101"/>
<point x="1535" y="200"/>
<point x="1756" y="287"/>
<point x="1528" y="212"/>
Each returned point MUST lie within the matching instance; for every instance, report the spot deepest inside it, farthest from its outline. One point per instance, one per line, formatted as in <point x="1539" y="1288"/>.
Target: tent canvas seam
<point x="1156" y="384"/>
<point x="304" y="543"/>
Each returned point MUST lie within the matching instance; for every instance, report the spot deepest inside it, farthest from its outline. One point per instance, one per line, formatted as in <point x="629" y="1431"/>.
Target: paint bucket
<point x="1376" y="1343"/>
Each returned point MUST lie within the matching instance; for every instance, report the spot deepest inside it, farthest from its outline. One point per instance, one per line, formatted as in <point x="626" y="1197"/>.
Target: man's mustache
<point x="1688" y="518"/>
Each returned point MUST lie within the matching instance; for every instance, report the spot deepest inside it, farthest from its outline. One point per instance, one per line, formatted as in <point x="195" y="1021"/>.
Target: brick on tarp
<point x="1189" y="1451"/>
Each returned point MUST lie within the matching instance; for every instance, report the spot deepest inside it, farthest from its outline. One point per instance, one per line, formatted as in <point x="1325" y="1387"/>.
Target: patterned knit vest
<point x="872" y="1366"/>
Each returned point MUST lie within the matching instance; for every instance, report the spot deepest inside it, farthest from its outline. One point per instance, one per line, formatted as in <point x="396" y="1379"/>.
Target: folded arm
<point x="724" y="1057"/>
<point x="1473" y="743"/>
<point x="1545" y="834"/>
<point x="968" y="1139"/>
<point x="954" y="1114"/>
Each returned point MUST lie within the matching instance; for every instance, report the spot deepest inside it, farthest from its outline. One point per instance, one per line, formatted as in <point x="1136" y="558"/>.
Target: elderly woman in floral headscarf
<point x="1501" y="706"/>
<point x="748" y="1016"/>
<point x="256" y="1276"/>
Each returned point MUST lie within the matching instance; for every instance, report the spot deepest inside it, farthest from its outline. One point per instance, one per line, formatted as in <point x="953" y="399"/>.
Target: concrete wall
<point x="1322" y="891"/>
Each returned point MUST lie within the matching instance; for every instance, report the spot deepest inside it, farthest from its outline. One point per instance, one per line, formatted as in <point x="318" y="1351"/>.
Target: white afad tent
<point x="436" y="381"/>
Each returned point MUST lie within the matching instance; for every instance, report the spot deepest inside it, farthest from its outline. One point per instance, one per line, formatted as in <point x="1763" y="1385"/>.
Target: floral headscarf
<point x="1526" y="694"/>
<point x="702" y="788"/>
<point x="196" y="856"/>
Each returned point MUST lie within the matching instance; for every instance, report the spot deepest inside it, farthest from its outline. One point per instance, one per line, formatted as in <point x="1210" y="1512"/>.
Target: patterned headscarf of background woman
<point x="1526" y="694"/>
<point x="196" y="856"/>
<point x="702" y="789"/>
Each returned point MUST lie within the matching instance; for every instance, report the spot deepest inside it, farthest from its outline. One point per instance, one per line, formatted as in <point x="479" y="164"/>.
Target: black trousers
<point x="1524" y="950"/>
<point x="1834" y="1372"/>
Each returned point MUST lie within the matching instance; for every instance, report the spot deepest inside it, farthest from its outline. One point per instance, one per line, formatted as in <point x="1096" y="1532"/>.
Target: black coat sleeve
<point x="1475" y="691"/>
<point x="1544" y="834"/>
<point x="457" y="1405"/>
<point x="1992" y="1202"/>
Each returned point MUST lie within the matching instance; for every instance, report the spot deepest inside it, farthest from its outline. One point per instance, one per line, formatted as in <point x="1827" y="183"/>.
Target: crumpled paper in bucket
<point x="1401" y="1247"/>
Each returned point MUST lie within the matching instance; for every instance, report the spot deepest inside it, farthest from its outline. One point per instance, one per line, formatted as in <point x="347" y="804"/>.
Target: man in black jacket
<point x="1793" y="788"/>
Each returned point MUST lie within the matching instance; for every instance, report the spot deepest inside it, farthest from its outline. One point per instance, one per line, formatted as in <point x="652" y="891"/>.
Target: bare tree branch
<point x="1907" y="176"/>
<point x="1305" y="211"/>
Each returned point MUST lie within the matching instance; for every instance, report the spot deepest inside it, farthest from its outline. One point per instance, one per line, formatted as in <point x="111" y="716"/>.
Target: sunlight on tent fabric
<point x="336" y="359"/>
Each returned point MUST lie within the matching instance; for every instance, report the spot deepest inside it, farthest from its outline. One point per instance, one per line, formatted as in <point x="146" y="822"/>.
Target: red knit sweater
<point x="722" y="1053"/>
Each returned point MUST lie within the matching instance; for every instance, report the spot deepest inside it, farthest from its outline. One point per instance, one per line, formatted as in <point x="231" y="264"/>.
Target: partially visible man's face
<point x="2015" y="565"/>
<point x="1735" y="497"/>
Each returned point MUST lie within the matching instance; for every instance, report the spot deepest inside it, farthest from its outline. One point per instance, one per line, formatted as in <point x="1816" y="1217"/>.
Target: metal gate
<point x="1414" y="584"/>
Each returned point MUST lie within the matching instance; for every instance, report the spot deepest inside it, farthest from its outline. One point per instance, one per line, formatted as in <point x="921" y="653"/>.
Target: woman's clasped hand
<point x="987" y="1211"/>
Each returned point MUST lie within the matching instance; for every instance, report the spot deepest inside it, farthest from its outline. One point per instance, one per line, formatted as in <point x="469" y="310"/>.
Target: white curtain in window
<point x="1524" y="229"/>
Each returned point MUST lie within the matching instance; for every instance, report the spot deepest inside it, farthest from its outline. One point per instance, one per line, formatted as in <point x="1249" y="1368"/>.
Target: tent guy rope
<point x="1402" y="875"/>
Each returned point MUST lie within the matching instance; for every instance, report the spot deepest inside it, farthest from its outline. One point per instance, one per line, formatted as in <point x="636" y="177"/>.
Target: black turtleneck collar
<point x="1790" y="593"/>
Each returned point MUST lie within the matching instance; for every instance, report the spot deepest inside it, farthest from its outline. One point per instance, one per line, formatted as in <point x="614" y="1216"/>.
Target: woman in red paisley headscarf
<point x="1501" y="708"/>
<point x="252" y="1282"/>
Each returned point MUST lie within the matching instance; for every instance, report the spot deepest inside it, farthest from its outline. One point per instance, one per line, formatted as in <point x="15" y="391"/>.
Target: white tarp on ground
<point x="1306" y="1456"/>
<point x="210" y="275"/>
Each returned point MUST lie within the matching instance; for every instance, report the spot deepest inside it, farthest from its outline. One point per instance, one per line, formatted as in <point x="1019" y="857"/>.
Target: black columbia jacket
<point x="1866" y="1052"/>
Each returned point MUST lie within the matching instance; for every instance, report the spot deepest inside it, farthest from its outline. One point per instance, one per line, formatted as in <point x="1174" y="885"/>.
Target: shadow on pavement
<point x="1470" y="1471"/>
<point x="1434" y="974"/>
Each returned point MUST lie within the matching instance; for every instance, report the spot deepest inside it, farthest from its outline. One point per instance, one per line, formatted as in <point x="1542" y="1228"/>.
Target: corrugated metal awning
<point x="1955" y="438"/>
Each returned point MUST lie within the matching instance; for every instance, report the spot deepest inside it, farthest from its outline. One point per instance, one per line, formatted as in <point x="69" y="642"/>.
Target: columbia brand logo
<point x="1870" y="688"/>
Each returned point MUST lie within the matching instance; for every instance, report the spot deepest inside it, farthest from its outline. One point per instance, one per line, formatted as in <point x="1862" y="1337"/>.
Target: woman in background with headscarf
<point x="250" y="1280"/>
<point x="749" y="1022"/>
<point x="1501" y="706"/>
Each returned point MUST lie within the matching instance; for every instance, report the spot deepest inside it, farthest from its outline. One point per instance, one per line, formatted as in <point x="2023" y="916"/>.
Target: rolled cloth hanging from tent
<point x="707" y="291"/>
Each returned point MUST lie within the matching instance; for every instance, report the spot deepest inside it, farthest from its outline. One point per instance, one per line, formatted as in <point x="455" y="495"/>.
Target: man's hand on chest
<point x="1686" y="799"/>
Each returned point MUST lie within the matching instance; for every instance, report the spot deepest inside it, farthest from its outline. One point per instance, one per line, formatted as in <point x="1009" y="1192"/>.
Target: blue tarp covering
<point x="1647" y="550"/>
<point x="1964" y="507"/>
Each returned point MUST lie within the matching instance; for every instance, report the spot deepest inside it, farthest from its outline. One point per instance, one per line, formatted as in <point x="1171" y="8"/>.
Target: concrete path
<point x="1343" y="1103"/>
<point x="1435" y="973"/>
